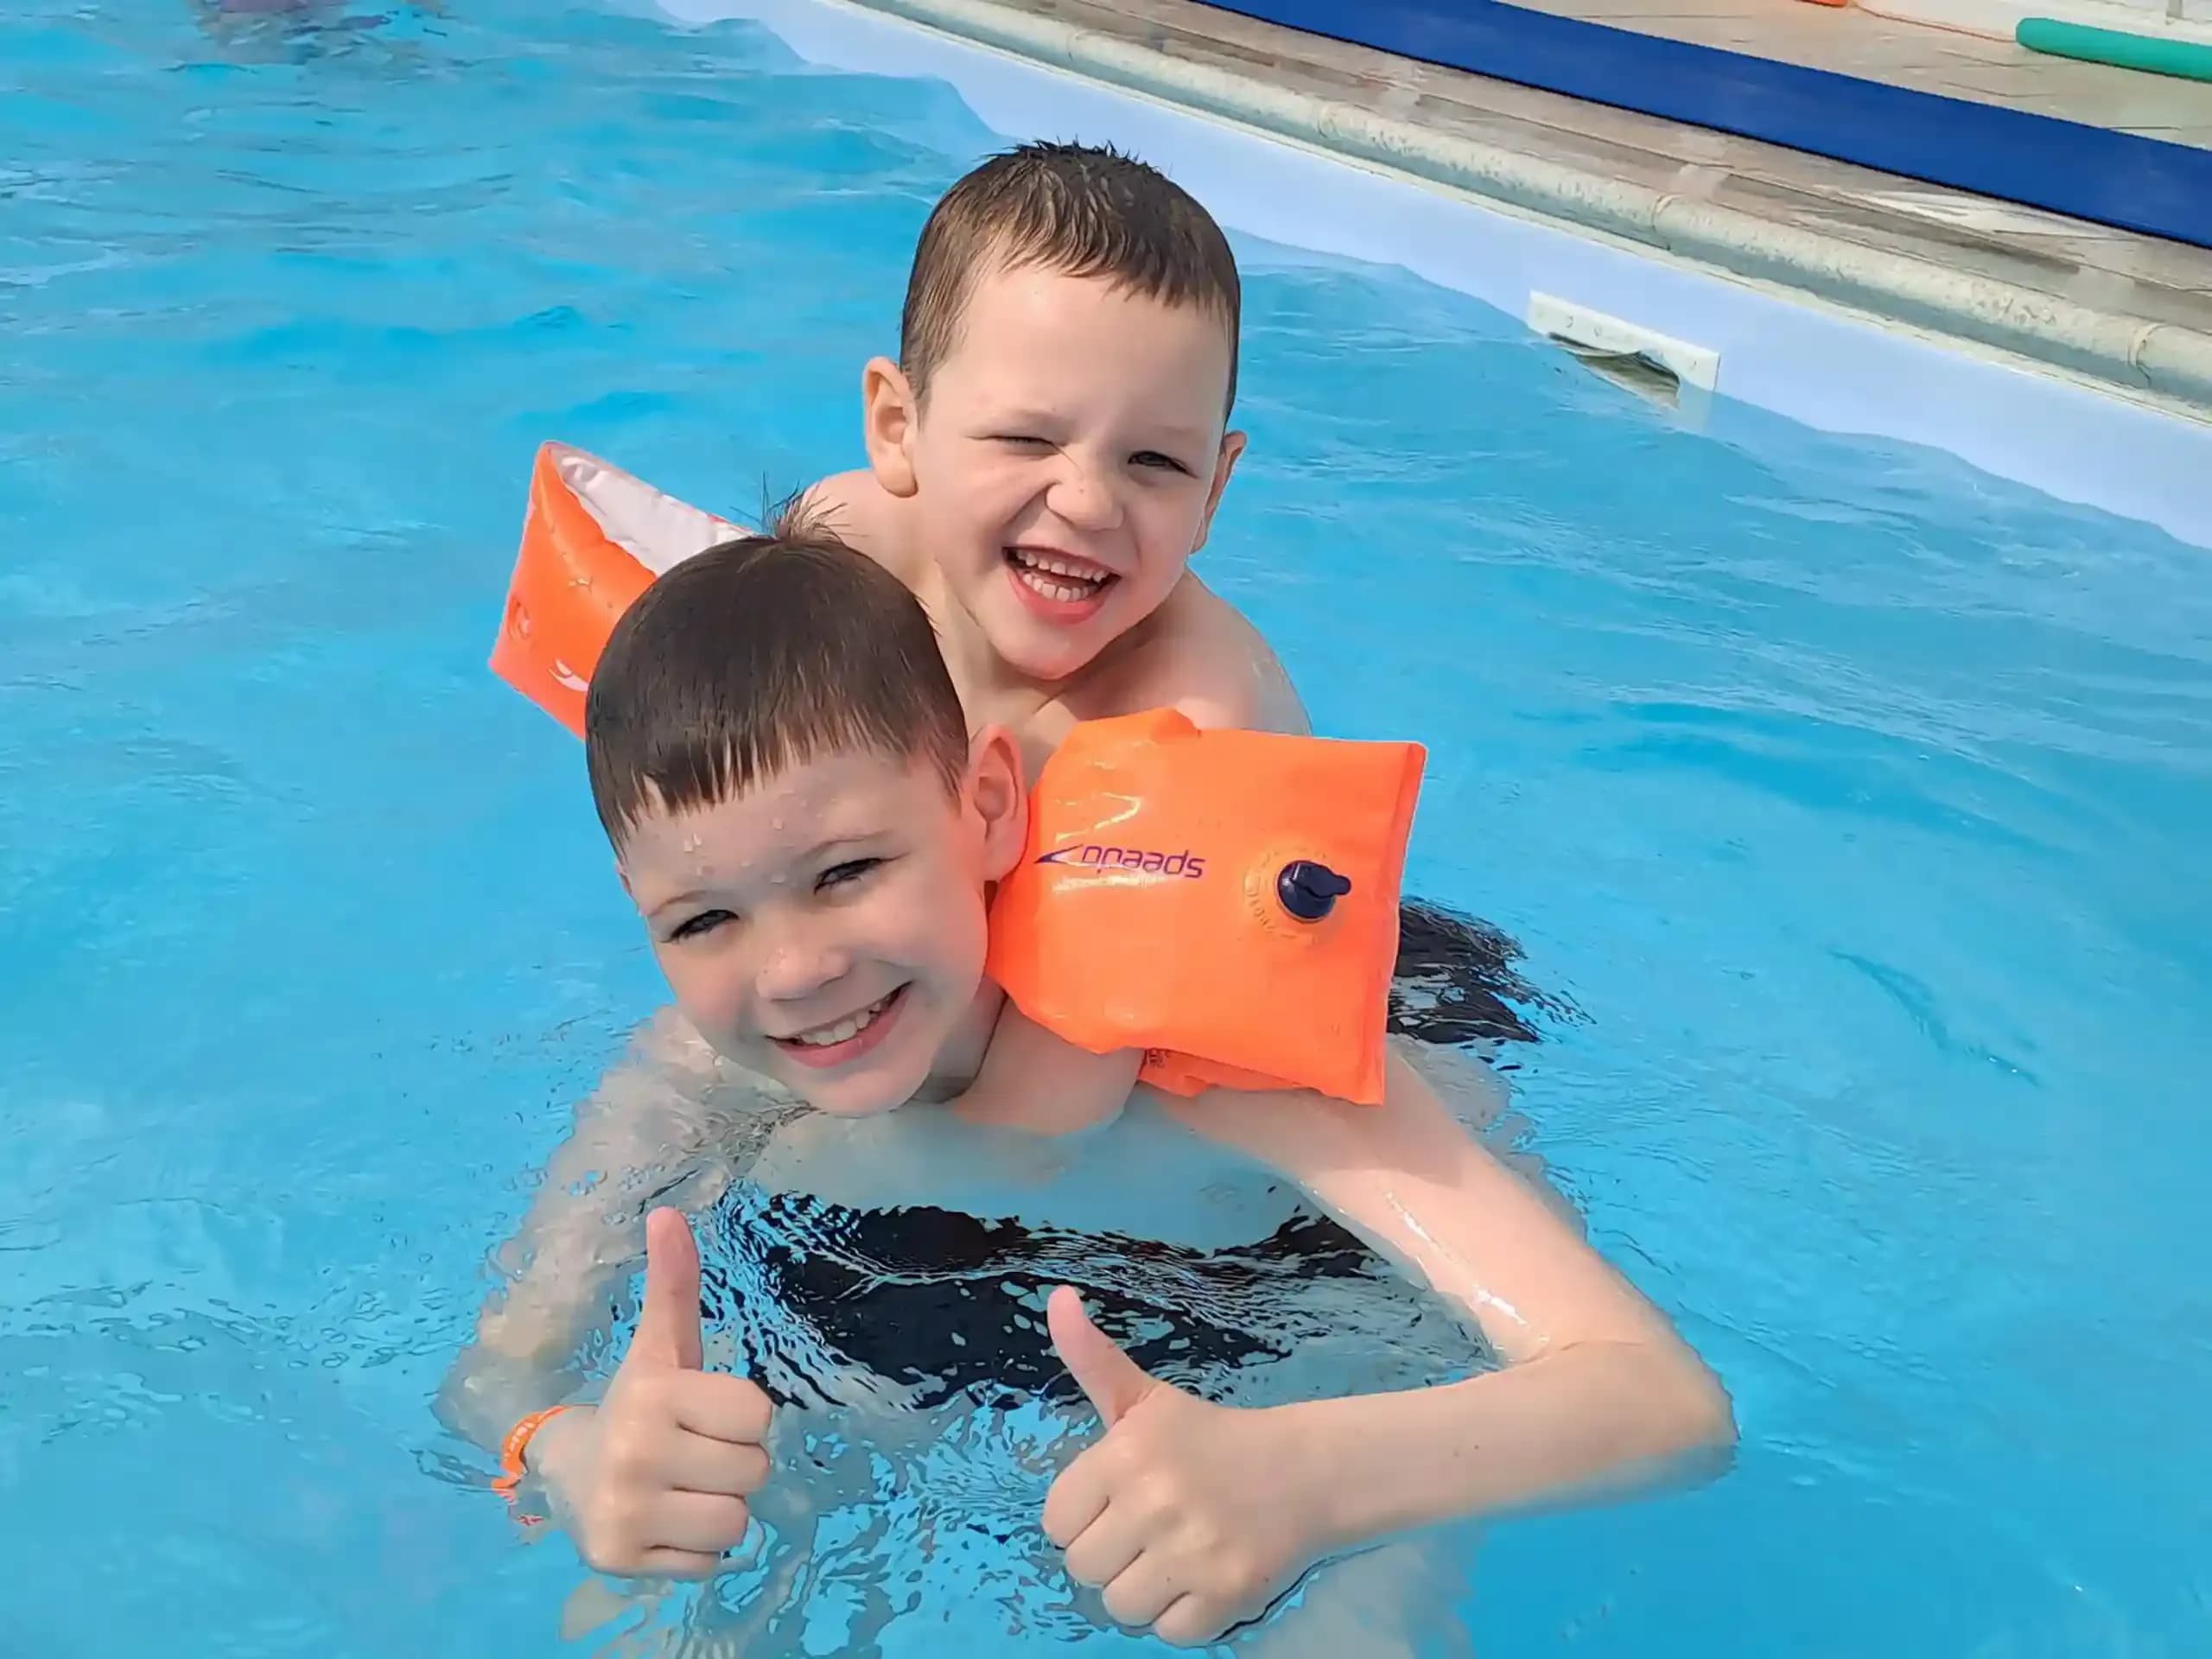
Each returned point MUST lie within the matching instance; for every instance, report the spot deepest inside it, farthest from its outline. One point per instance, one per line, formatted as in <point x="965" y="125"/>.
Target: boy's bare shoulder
<point x="1200" y="654"/>
<point x="865" y="515"/>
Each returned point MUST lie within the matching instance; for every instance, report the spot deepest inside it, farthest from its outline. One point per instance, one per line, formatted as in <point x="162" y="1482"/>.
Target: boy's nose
<point x="797" y="964"/>
<point x="1082" y="497"/>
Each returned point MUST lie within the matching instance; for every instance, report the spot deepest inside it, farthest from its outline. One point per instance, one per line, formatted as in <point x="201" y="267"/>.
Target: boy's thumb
<point x="668" y="1323"/>
<point x="1113" y="1382"/>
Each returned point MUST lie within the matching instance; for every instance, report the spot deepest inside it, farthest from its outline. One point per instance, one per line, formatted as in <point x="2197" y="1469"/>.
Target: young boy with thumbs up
<point x="810" y="831"/>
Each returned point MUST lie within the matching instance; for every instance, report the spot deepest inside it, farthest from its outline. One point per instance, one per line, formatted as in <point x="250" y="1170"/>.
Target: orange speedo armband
<point x="593" y="539"/>
<point x="1227" y="900"/>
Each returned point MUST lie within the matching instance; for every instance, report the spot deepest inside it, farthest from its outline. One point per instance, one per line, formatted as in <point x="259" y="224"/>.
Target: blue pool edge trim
<point x="2087" y="173"/>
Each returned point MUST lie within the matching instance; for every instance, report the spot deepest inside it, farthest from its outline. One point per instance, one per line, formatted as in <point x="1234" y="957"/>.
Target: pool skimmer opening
<point x="1642" y="360"/>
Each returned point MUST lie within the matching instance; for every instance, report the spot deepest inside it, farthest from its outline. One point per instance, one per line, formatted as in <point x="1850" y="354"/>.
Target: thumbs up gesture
<point x="654" y="1481"/>
<point x="1190" y="1516"/>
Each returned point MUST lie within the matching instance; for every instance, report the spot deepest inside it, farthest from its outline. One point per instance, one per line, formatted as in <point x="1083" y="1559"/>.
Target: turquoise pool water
<point x="1852" y="801"/>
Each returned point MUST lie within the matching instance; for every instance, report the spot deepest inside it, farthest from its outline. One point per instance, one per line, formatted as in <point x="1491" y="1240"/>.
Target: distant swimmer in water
<point x="221" y="17"/>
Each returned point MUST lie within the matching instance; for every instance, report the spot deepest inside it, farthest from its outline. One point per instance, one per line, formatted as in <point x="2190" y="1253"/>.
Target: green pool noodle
<point x="2185" y="58"/>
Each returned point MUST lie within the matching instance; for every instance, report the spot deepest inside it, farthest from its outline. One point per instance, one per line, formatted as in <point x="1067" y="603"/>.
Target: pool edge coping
<point x="2166" y="365"/>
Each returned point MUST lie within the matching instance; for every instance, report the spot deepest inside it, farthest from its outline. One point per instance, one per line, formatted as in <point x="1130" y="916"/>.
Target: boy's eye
<point x="1154" y="458"/>
<point x="694" y="927"/>
<point x="843" y="875"/>
<point x="1021" y="441"/>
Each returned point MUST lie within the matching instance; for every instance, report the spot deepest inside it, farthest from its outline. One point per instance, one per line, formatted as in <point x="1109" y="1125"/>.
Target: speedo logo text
<point x="1096" y="855"/>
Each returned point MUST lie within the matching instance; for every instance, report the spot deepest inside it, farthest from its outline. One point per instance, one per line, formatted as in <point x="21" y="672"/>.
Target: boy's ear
<point x="996" y="791"/>
<point x="1232" y="447"/>
<point x="887" y="417"/>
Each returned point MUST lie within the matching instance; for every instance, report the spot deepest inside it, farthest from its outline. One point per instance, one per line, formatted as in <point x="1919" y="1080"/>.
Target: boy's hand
<point x="1192" y="1517"/>
<point x="654" y="1480"/>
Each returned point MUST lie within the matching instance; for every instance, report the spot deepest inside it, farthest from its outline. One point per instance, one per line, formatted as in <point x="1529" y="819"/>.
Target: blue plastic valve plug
<point x="1310" y="891"/>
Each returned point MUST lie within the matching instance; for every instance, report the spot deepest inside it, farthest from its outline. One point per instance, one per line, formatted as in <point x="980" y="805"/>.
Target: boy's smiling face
<point x="826" y="927"/>
<point x="1067" y="459"/>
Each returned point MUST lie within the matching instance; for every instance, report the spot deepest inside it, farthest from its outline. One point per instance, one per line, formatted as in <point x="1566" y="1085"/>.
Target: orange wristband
<point x="512" y="1467"/>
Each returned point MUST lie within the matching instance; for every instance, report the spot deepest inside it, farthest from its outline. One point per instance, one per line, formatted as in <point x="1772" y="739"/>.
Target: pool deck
<point x="1854" y="41"/>
<point x="2128" y="312"/>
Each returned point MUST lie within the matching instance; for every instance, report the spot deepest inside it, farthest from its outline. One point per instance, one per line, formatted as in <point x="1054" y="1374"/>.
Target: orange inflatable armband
<point x="594" y="539"/>
<point x="1227" y="900"/>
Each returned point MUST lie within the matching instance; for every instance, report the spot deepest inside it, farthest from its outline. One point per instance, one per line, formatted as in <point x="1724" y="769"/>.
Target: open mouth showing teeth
<point x="1056" y="577"/>
<point x="845" y="1029"/>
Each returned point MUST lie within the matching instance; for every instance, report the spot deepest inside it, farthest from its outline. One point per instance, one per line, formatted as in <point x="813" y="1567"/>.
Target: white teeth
<point x="1064" y="592"/>
<point x="1073" y="582"/>
<point x="845" y="1030"/>
<point x="1056" y="565"/>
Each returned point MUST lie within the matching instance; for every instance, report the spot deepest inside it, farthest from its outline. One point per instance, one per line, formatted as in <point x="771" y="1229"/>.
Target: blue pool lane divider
<point x="2062" y="167"/>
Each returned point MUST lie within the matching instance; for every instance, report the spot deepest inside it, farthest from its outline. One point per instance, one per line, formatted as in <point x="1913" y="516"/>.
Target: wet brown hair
<point x="761" y="654"/>
<point x="1076" y="209"/>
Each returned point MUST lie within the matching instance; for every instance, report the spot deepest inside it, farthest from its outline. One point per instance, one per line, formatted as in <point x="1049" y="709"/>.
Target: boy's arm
<point x="1598" y="1393"/>
<point x="1243" y="687"/>
<point x="1192" y="1517"/>
<point x="1223" y="674"/>
<point x="1205" y="660"/>
<point x="1032" y="1080"/>
<point x="654" y="1478"/>
<point x="641" y="1140"/>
